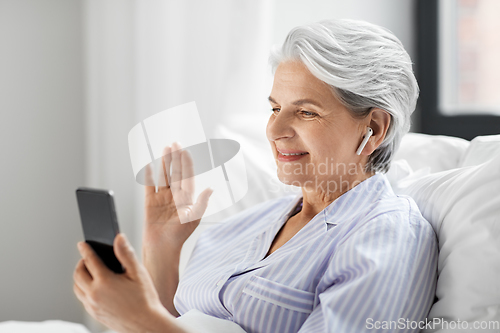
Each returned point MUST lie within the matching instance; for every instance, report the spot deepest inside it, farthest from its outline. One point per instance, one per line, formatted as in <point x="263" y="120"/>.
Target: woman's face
<point x="313" y="136"/>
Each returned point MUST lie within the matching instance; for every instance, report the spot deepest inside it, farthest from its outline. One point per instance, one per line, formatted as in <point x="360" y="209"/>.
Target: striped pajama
<point x="368" y="257"/>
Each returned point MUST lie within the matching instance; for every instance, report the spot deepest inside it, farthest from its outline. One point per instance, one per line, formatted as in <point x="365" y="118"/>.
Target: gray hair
<point x="366" y="67"/>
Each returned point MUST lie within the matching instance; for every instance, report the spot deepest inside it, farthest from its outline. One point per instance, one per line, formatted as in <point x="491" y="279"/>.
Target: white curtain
<point x="143" y="57"/>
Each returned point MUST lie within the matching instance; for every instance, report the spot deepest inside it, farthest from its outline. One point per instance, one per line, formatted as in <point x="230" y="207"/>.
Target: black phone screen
<point x="99" y="223"/>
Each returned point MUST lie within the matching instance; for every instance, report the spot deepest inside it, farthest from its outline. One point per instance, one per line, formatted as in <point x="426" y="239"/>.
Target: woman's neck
<point x="318" y="198"/>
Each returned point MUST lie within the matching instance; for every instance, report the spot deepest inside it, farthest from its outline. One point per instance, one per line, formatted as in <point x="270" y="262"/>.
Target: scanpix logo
<point x="217" y="163"/>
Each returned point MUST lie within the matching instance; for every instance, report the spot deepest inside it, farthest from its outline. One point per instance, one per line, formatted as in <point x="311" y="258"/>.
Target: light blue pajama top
<point x="367" y="260"/>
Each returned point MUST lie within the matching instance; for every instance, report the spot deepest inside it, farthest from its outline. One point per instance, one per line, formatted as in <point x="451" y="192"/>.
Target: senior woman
<point x="347" y="255"/>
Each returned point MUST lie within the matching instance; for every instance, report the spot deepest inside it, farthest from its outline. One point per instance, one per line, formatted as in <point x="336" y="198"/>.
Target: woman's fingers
<point x="93" y="263"/>
<point x="148" y="180"/>
<point x="164" y="181"/>
<point x="176" y="178"/>
<point x="187" y="173"/>
<point x="126" y="255"/>
<point x="81" y="276"/>
<point x="80" y="294"/>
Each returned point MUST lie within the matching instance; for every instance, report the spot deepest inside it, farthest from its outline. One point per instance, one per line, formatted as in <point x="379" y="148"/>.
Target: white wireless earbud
<point x="369" y="133"/>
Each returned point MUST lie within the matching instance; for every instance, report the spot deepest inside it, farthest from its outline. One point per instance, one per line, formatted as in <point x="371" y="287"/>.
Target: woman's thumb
<point x="200" y="206"/>
<point x="125" y="253"/>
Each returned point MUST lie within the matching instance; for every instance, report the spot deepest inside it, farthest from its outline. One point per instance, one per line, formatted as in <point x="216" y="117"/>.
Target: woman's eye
<point x="308" y="114"/>
<point x="275" y="110"/>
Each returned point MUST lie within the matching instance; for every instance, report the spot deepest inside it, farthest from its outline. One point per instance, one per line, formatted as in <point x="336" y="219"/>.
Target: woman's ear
<point x="379" y="123"/>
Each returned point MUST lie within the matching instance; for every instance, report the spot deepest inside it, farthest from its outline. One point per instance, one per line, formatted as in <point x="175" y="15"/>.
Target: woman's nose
<point x="280" y="126"/>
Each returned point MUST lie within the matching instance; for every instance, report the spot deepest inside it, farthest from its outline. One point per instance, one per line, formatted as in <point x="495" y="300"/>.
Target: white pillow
<point x="481" y="149"/>
<point x="197" y="321"/>
<point x="49" y="326"/>
<point x="436" y="152"/>
<point x="424" y="154"/>
<point x="463" y="206"/>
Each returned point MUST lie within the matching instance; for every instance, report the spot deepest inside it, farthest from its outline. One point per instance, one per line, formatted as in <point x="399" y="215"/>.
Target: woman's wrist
<point x="159" y="238"/>
<point x="161" y="249"/>
<point x="162" y="263"/>
<point x="161" y="321"/>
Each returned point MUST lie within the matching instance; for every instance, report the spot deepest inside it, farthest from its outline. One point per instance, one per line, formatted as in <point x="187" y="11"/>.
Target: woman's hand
<point x="125" y="302"/>
<point x="170" y="214"/>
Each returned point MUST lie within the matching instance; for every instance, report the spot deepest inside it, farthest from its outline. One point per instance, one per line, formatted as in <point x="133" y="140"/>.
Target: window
<point x="458" y="70"/>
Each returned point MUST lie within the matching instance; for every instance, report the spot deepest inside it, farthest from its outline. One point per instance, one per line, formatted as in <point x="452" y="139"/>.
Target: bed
<point x="456" y="184"/>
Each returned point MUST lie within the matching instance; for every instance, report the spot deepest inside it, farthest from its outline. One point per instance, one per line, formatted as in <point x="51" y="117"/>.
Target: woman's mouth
<point x="285" y="155"/>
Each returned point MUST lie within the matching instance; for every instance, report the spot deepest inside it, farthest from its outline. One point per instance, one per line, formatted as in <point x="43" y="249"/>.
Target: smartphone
<point x="99" y="223"/>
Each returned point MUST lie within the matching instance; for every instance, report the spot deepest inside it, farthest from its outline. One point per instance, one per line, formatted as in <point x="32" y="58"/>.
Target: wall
<point x="41" y="138"/>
